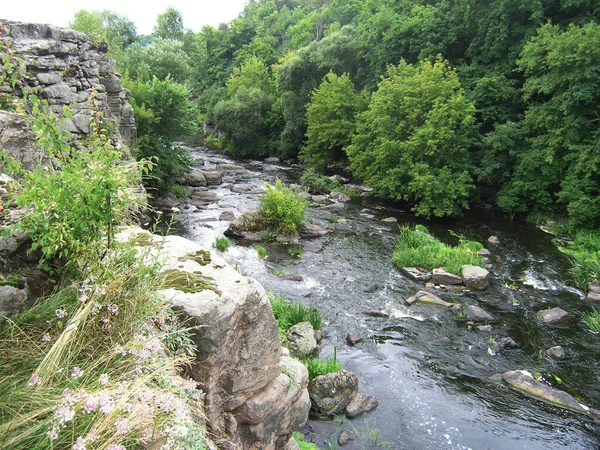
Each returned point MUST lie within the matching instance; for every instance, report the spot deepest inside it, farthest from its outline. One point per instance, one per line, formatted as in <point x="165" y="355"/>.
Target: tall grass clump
<point x="417" y="248"/>
<point x="317" y="367"/>
<point x="282" y="207"/>
<point x="592" y="320"/>
<point x="584" y="252"/>
<point x="221" y="243"/>
<point x="288" y="314"/>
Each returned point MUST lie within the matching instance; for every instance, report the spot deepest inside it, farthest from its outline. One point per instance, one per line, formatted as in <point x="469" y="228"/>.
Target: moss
<point x="188" y="282"/>
<point x="202" y="257"/>
<point x="14" y="281"/>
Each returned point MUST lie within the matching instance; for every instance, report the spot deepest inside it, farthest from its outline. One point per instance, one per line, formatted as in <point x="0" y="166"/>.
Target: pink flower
<point x="46" y="337"/>
<point x="35" y="379"/>
<point x="122" y="426"/>
<point x="106" y="403"/>
<point x="79" y="444"/>
<point x="91" y="404"/>
<point x="103" y="379"/>
<point x="92" y="435"/>
<point x="112" y="308"/>
<point x="52" y="433"/>
<point x="115" y="447"/>
<point x="77" y="372"/>
<point x="64" y="414"/>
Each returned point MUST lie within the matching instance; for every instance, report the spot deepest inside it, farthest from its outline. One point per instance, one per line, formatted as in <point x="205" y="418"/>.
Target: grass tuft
<point x="289" y="314"/>
<point x="592" y="320"/>
<point x="318" y="367"/>
<point x="261" y="251"/>
<point x="221" y="244"/>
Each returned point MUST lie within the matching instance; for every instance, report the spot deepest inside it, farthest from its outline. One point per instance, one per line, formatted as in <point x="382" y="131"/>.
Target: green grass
<point x="299" y="437"/>
<point x="592" y="320"/>
<point x="584" y="252"/>
<point x="318" y="367"/>
<point x="289" y="314"/>
<point x="282" y="207"/>
<point x="417" y="248"/>
<point x="261" y="251"/>
<point x="221" y="243"/>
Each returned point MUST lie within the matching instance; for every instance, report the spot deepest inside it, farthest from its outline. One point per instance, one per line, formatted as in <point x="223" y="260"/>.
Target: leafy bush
<point x="417" y="248"/>
<point x="319" y="184"/>
<point x="221" y="243"/>
<point x="170" y="162"/>
<point x="289" y="314"/>
<point x="283" y="209"/>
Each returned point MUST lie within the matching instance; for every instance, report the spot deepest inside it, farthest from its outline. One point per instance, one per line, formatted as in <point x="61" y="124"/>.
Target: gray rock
<point x="334" y="207"/>
<point x="11" y="244"/>
<point x="272" y="160"/>
<point x="556" y="352"/>
<point x="213" y="178"/>
<point x="428" y="298"/>
<point x="353" y="340"/>
<point x="477" y="314"/>
<point x="416" y="274"/>
<point x="338" y="178"/>
<point x="331" y="393"/>
<point x="360" y="404"/>
<point x="291" y="445"/>
<point x="11" y="299"/>
<point x="196" y="179"/>
<point x="270" y="168"/>
<point x="291" y="277"/>
<point x="594" y="286"/>
<point x="440" y="276"/>
<point x="321" y="199"/>
<point x="230" y="168"/>
<point x="305" y="196"/>
<point x="343" y="227"/>
<point x="339" y="196"/>
<point x="494" y="240"/>
<point x="227" y="216"/>
<point x="553" y="315"/>
<point x="391" y="220"/>
<point x="371" y="288"/>
<point x="301" y="341"/>
<point x="484" y="328"/>
<point x="252" y="221"/>
<point x="484" y="252"/>
<point x="309" y="230"/>
<point x="346" y="438"/>
<point x="593" y="296"/>
<point x="475" y="278"/>
<point x="59" y="90"/>
<point x="376" y="313"/>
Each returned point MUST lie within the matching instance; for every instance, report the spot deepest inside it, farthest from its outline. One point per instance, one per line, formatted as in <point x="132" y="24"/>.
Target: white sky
<point x="196" y="13"/>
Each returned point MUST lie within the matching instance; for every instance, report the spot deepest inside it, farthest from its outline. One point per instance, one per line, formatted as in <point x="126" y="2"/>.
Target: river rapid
<point x="426" y="366"/>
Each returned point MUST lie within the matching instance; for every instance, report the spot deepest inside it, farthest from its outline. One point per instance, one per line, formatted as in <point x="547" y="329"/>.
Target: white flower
<point x="122" y="426"/>
<point x="79" y="444"/>
<point x="35" y="379"/>
<point x="103" y="380"/>
<point x="52" y="433"/>
<point x="46" y="337"/>
<point x="60" y="313"/>
<point x="77" y="372"/>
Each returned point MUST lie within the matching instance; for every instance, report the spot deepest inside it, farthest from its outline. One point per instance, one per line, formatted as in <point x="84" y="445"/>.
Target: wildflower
<point x="69" y="398"/>
<point x="115" y="447"/>
<point x="35" y="379"/>
<point x="112" y="308"/>
<point x="46" y="337"/>
<point x="100" y="290"/>
<point x="79" y="444"/>
<point x="77" y="372"/>
<point x="189" y="385"/>
<point x="64" y="414"/>
<point x="105" y="321"/>
<point x="83" y="298"/>
<point x="122" y="426"/>
<point x="60" y="313"/>
<point x="175" y="209"/>
<point x="91" y="404"/>
<point x="52" y="433"/>
<point x="106" y="403"/>
<point x="95" y="308"/>
<point x="92" y="435"/>
<point x="103" y="380"/>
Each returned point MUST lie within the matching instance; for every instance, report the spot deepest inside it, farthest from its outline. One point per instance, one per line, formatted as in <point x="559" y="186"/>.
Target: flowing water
<point x="428" y="369"/>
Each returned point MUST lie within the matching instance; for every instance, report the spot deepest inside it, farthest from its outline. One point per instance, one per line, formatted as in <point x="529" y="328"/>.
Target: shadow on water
<point x="427" y="367"/>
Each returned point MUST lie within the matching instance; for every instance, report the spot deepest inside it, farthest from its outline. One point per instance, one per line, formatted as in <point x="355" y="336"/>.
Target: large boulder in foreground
<point x="254" y="397"/>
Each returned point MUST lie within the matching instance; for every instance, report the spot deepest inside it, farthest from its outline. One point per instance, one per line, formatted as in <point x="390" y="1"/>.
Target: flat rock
<point x="272" y="160"/>
<point x="390" y="220"/>
<point x="484" y="328"/>
<point x="339" y="196"/>
<point x="321" y="199"/>
<point x="343" y="227"/>
<point x="376" y="313"/>
<point x="312" y="230"/>
<point x="230" y="168"/>
<point x="336" y="207"/>
<point x="353" y="340"/>
<point x="556" y="352"/>
<point x="428" y="298"/>
<point x="360" y="404"/>
<point x="477" y="314"/>
<point x="371" y="288"/>
<point x="456" y="288"/>
<point x="484" y="252"/>
<point x="440" y="276"/>
<point x="553" y="315"/>
<point x="525" y="382"/>
<point x="416" y="274"/>
<point x="475" y="278"/>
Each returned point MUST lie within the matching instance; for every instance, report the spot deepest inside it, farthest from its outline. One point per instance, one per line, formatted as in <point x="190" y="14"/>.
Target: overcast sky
<point x="196" y="13"/>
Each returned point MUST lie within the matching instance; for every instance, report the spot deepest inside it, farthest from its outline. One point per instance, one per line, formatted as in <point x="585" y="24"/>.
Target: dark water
<point x="426" y="367"/>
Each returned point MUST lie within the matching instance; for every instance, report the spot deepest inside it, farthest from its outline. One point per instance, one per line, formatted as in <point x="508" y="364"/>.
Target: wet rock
<point x="213" y="177"/>
<point x="270" y="168"/>
<point x="360" y="404"/>
<point x="368" y="216"/>
<point x="475" y="278"/>
<point x="353" y="340"/>
<point x="371" y="288"/>
<point x="489" y="266"/>
<point x="246" y="190"/>
<point x="200" y="197"/>
<point x="230" y="168"/>
<point x="339" y="196"/>
<point x="318" y="336"/>
<point x="272" y="160"/>
<point x="594" y="286"/>
<point x="391" y="220"/>
<point x="309" y="230"/>
<point x="484" y="328"/>
<point x="343" y="227"/>
<point x="227" y="216"/>
<point x="440" y="276"/>
<point x="525" y="382"/>
<point x="477" y="314"/>
<point x="376" y="313"/>
<point x="455" y="288"/>
<point x="301" y="341"/>
<point x="290" y="277"/>
<point x="593" y="296"/>
<point x="484" y="252"/>
<point x="556" y="352"/>
<point x="334" y="207"/>
<point x="346" y="438"/>
<point x="507" y="342"/>
<point x="553" y="315"/>
<point x="428" y="298"/>
<point x="248" y="221"/>
<point x="493" y="240"/>
<point x="331" y="393"/>
<point x="416" y="274"/>
<point x="196" y="179"/>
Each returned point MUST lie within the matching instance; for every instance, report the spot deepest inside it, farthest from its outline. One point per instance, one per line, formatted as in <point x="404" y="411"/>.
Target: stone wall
<point x="66" y="67"/>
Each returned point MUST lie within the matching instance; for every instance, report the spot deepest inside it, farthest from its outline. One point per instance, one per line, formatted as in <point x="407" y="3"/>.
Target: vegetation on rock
<point x="282" y="208"/>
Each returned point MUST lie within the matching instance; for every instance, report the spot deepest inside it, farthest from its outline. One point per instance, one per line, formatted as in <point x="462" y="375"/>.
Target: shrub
<point x="417" y="248"/>
<point x="299" y="437"/>
<point x="319" y="184"/>
<point x="221" y="244"/>
<point x="283" y="209"/>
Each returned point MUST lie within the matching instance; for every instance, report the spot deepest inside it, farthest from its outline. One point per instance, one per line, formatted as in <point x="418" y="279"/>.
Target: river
<point x="428" y="369"/>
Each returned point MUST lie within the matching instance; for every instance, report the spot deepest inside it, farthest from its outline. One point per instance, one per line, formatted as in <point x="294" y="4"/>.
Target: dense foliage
<point x="282" y="207"/>
<point x="493" y="101"/>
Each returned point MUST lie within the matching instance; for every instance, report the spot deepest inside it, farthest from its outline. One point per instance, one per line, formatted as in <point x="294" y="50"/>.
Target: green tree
<point x="169" y="25"/>
<point x="165" y="57"/>
<point x="252" y="74"/>
<point x="412" y="142"/>
<point x="331" y="120"/>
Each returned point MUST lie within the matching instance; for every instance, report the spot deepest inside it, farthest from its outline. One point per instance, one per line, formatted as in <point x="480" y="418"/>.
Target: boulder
<point x="484" y="328"/>
<point x="332" y="393"/>
<point x="440" y="276"/>
<point x="477" y="314"/>
<point x="493" y="240"/>
<point x="227" y="216"/>
<point x="343" y="227"/>
<point x="196" y="178"/>
<point x="321" y="199"/>
<point x="556" y="352"/>
<point x="213" y="177"/>
<point x="594" y="286"/>
<point x="12" y="298"/>
<point x="484" y="252"/>
<point x="391" y="220"/>
<point x="9" y="245"/>
<point x="353" y="340"/>
<point x="376" y="313"/>
<point x="230" y="168"/>
<point x="272" y="160"/>
<point x="553" y="315"/>
<point x="593" y="296"/>
<point x="416" y="274"/>
<point x="346" y="438"/>
<point x="475" y="278"/>
<point x="360" y="404"/>
<point x="523" y="381"/>
<point x="339" y="196"/>
<point x="248" y="221"/>
<point x="371" y="288"/>
<point x="428" y="298"/>
<point x="309" y="230"/>
<point x="301" y="341"/>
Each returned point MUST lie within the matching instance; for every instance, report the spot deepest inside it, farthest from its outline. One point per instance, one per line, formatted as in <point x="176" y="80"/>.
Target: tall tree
<point x="169" y="25"/>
